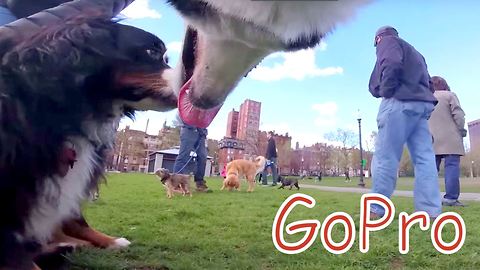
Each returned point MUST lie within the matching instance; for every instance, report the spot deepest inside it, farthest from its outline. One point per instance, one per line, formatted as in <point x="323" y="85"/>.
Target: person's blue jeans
<point x="273" y="167"/>
<point x="452" y="176"/>
<point x="401" y="122"/>
<point x="6" y="16"/>
<point x="191" y="139"/>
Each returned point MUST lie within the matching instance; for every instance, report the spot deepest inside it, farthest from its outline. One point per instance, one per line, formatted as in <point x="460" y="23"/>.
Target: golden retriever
<point x="241" y="167"/>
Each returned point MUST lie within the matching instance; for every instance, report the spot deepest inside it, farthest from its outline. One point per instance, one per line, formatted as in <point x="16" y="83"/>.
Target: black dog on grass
<point x="288" y="182"/>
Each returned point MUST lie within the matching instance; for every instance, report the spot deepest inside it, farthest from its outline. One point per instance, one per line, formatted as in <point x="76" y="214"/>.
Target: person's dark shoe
<point x="453" y="203"/>
<point x="202" y="187"/>
<point x="274" y="184"/>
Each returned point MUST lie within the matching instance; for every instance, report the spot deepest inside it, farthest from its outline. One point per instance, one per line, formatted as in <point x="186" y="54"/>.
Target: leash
<point x="191" y="156"/>
<point x="190" y="159"/>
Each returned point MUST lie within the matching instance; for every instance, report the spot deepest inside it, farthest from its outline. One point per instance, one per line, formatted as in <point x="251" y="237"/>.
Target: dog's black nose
<point x="204" y="102"/>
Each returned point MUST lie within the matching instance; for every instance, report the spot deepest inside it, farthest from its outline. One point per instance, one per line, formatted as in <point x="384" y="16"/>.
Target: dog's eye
<point x="155" y="54"/>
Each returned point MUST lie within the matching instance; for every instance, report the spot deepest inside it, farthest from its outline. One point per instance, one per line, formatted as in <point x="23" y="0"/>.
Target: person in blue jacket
<point x="401" y="79"/>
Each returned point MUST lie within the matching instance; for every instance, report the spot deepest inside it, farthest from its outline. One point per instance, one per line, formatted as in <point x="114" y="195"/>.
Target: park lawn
<point x="403" y="183"/>
<point x="232" y="230"/>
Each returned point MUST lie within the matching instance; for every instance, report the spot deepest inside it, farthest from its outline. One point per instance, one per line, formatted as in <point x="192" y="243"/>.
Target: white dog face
<point x="225" y="39"/>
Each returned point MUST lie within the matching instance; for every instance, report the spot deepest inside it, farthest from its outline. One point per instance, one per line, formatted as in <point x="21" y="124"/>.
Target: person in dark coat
<point x="271" y="156"/>
<point x="400" y="77"/>
<point x="347" y="176"/>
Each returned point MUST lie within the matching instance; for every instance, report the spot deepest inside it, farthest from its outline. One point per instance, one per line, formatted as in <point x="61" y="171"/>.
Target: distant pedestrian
<point x="447" y="125"/>
<point x="347" y="176"/>
<point x="271" y="156"/>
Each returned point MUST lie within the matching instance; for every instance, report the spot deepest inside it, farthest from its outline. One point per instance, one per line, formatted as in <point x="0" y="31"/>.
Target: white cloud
<point x="322" y="46"/>
<point x="141" y="9"/>
<point x="306" y="138"/>
<point x="217" y="132"/>
<point x="327" y="114"/>
<point x="174" y="47"/>
<point x="294" y="65"/>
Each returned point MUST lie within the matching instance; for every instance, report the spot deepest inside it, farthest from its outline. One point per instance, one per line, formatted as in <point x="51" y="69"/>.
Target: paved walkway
<point x="400" y="193"/>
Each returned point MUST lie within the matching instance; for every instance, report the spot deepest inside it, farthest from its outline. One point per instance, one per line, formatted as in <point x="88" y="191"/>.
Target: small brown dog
<point x="242" y="167"/>
<point x="173" y="182"/>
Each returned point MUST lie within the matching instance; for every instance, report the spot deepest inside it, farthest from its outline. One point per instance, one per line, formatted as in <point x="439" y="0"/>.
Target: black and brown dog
<point x="174" y="182"/>
<point x="288" y="181"/>
<point x="63" y="90"/>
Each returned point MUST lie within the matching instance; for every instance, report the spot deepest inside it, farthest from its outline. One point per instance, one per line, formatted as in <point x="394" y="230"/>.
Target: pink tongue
<point x="190" y="114"/>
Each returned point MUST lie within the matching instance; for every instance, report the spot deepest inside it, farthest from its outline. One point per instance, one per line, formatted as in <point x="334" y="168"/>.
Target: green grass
<point x="403" y="183"/>
<point x="232" y="230"/>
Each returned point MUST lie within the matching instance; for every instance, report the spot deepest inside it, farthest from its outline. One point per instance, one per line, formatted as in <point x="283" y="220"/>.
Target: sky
<point x="312" y="92"/>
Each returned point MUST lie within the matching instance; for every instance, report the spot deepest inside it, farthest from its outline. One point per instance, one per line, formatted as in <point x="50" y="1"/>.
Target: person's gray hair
<point x="386" y="31"/>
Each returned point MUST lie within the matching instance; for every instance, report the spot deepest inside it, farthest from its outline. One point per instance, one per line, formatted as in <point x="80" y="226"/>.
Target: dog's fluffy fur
<point x="63" y="90"/>
<point x="241" y="167"/>
<point x="287" y="181"/>
<point x="225" y="39"/>
<point x="174" y="182"/>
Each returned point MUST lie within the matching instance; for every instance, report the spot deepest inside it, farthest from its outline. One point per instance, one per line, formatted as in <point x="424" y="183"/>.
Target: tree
<point x="170" y="137"/>
<point x="470" y="163"/>
<point x="369" y="143"/>
<point x="335" y="160"/>
<point x="406" y="167"/>
<point x="355" y="159"/>
<point x="347" y="139"/>
<point x="212" y="150"/>
<point x="323" y="152"/>
<point x="212" y="147"/>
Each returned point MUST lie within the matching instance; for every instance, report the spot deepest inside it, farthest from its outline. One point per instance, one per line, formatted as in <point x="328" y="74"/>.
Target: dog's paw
<point x="119" y="243"/>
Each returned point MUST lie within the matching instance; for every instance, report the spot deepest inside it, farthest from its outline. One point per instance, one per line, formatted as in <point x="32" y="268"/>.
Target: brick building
<point x="248" y="125"/>
<point x="244" y="140"/>
<point x="312" y="159"/>
<point x="241" y="140"/>
<point x="232" y="124"/>
<point x="474" y="134"/>
<point x="230" y="149"/>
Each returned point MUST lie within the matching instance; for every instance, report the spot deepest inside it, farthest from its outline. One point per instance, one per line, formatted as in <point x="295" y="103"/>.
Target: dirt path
<point x="401" y="193"/>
